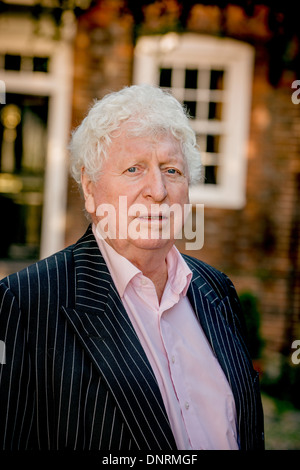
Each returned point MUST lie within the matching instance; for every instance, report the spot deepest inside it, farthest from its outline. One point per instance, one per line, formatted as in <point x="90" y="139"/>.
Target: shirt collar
<point x="123" y="271"/>
<point x="120" y="268"/>
<point x="179" y="274"/>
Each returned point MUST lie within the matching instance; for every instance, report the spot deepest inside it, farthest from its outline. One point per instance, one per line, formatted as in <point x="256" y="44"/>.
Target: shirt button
<point x="187" y="405"/>
<point x="173" y="359"/>
<point x="144" y="282"/>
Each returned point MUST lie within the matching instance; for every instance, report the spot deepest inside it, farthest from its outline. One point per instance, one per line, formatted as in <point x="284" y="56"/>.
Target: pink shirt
<point x="196" y="394"/>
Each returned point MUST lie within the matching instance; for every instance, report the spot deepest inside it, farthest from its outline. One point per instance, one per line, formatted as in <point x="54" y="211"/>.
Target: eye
<point x="173" y="171"/>
<point x="135" y="170"/>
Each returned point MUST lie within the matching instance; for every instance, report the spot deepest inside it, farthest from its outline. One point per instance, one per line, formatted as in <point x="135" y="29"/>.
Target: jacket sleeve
<point x="17" y="402"/>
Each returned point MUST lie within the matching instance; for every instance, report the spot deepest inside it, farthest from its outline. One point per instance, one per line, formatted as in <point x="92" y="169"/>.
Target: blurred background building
<point x="235" y="66"/>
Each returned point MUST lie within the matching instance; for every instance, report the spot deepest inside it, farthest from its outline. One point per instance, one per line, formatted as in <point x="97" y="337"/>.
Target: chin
<point x="151" y="244"/>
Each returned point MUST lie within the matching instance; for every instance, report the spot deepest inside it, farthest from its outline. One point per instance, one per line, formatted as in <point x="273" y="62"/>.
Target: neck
<point x="151" y="262"/>
<point x="157" y="272"/>
<point x="154" y="266"/>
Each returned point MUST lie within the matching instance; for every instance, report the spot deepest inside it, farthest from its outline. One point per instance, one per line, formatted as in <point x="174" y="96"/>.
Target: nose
<point x="155" y="187"/>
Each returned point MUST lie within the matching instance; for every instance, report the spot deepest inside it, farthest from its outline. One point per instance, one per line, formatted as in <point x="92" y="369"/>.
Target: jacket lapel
<point x="106" y="333"/>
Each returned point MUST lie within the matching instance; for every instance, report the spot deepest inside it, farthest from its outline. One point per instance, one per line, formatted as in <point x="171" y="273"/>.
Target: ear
<point x="88" y="192"/>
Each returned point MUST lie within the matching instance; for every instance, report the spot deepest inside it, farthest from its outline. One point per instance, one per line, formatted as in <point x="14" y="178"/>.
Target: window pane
<point x="191" y="79"/>
<point x="210" y="174"/>
<point x="12" y="62"/>
<point x="40" y="64"/>
<point x="217" y="79"/>
<point x="165" y="77"/>
<point x="212" y="143"/>
<point x="215" y="110"/>
<point x="191" y="107"/>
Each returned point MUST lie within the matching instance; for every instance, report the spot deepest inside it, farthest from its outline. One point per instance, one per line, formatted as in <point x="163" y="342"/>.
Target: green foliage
<point x="252" y="320"/>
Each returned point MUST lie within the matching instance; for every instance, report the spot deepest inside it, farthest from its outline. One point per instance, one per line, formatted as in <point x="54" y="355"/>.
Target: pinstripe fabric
<point x="76" y="375"/>
<point x="216" y="304"/>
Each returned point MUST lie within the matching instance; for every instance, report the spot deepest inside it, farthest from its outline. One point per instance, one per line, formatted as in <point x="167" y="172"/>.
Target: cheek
<point x="108" y="199"/>
<point x="179" y="193"/>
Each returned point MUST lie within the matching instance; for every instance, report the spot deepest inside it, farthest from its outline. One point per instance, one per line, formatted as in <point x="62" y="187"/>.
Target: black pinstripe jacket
<point x="76" y="376"/>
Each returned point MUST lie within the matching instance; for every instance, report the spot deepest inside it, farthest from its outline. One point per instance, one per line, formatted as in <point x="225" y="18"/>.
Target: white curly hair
<point x="149" y="110"/>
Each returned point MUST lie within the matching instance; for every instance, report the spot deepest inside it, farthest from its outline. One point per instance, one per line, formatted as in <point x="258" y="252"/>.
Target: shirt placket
<point x="177" y="375"/>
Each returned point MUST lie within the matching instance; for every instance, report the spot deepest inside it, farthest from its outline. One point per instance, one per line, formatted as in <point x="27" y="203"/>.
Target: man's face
<point x="140" y="180"/>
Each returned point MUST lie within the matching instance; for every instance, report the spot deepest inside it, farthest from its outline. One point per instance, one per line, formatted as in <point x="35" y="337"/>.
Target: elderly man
<point x="119" y="341"/>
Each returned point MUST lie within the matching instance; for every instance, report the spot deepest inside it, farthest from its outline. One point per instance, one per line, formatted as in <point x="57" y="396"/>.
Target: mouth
<point x="153" y="218"/>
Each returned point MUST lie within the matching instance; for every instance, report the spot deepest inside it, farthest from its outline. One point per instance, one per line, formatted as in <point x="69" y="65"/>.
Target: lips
<point x="152" y="217"/>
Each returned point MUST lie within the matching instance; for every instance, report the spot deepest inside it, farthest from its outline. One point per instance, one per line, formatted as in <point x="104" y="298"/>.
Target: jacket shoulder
<point x="216" y="279"/>
<point x="223" y="288"/>
<point x="51" y="273"/>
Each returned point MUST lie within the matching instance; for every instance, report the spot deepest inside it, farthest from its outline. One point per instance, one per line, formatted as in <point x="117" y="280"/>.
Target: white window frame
<point x="17" y="37"/>
<point x="191" y="50"/>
